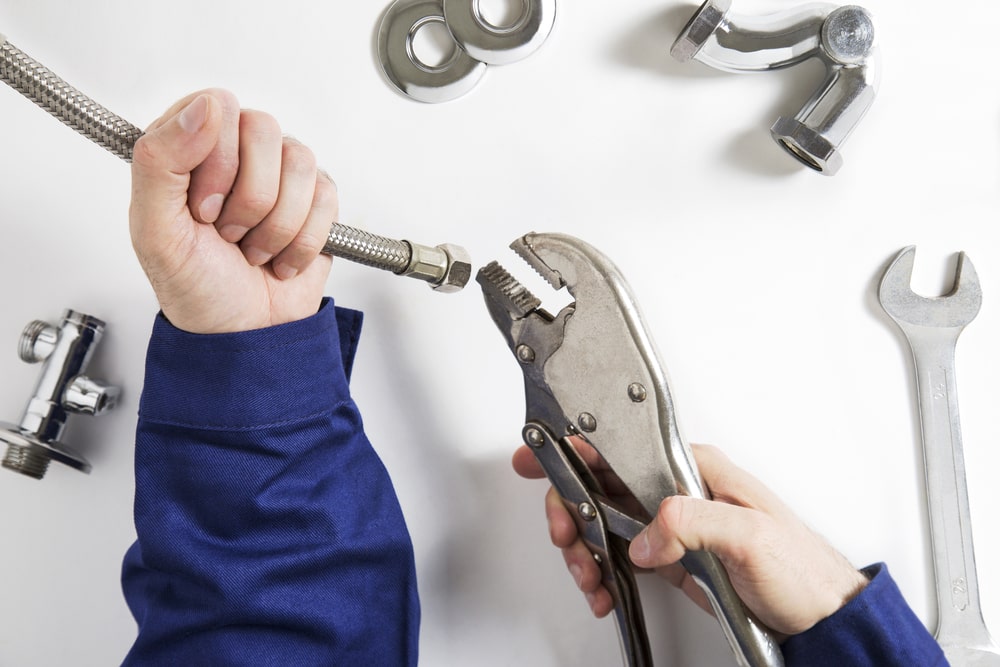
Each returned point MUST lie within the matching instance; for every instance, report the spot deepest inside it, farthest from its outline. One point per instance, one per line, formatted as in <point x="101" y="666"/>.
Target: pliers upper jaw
<point x="561" y="260"/>
<point x="532" y="334"/>
<point x="593" y="370"/>
<point x="509" y="303"/>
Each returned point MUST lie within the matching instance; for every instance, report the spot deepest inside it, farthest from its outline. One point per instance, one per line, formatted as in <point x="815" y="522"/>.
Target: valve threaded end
<point x="26" y="348"/>
<point x="27" y="461"/>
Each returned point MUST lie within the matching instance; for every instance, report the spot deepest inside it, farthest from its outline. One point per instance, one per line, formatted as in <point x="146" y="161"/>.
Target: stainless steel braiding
<point x="44" y="88"/>
<point x="370" y="249"/>
<point x="445" y="267"/>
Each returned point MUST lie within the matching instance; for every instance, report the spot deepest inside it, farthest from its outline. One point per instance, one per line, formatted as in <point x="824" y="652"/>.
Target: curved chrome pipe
<point x="843" y="38"/>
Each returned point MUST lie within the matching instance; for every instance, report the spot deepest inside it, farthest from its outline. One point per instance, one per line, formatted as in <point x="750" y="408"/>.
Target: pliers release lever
<point x="592" y="371"/>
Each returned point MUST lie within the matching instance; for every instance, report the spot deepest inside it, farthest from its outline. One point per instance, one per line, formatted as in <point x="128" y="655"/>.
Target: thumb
<point x="684" y="524"/>
<point x="162" y="163"/>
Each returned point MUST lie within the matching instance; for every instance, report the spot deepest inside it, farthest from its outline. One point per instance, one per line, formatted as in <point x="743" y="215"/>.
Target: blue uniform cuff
<point x="252" y="379"/>
<point x="876" y="628"/>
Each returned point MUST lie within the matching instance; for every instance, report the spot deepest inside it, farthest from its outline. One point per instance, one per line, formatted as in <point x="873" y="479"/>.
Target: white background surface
<point x="757" y="278"/>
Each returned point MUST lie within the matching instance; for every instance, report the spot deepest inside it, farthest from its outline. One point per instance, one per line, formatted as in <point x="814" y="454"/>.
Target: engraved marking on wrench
<point x="931" y="327"/>
<point x="946" y="403"/>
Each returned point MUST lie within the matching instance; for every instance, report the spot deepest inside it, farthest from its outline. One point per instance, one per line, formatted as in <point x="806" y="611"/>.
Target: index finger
<point x="212" y="180"/>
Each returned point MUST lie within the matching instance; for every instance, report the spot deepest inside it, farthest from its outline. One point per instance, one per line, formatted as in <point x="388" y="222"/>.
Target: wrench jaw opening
<point x="906" y="307"/>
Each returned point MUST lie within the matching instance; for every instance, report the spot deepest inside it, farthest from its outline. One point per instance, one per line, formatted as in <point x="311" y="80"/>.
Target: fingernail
<point x="194" y="114"/>
<point x="638" y="551"/>
<point x="232" y="233"/>
<point x="287" y="272"/>
<point x="577" y="573"/>
<point x="591" y="598"/>
<point x="256" y="256"/>
<point x="211" y="207"/>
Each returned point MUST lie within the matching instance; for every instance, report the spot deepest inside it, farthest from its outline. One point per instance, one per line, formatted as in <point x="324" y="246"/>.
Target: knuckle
<point x="327" y="179"/>
<point x="257" y="204"/>
<point x="259" y="126"/>
<point x="325" y="195"/>
<point x="225" y="97"/>
<point x="710" y="451"/>
<point x="297" y="158"/>
<point x="280" y="233"/>
<point x="305" y="245"/>
<point x="765" y="544"/>
<point x="672" y="515"/>
<point x="145" y="151"/>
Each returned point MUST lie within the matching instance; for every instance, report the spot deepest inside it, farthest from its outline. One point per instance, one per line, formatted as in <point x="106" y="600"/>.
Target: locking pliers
<point x="592" y="371"/>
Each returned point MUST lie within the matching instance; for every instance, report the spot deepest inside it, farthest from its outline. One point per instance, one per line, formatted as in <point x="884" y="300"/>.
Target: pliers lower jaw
<point x="591" y="371"/>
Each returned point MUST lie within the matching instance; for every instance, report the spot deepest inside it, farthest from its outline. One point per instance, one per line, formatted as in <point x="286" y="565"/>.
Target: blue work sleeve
<point x="875" y="629"/>
<point x="268" y="530"/>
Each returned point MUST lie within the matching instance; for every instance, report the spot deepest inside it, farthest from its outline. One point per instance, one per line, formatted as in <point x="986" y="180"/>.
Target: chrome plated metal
<point x="499" y="45"/>
<point x="628" y="415"/>
<point x="455" y="77"/>
<point x="62" y="389"/>
<point x="47" y="90"/>
<point x="931" y="327"/>
<point x="842" y="37"/>
<point x="596" y="517"/>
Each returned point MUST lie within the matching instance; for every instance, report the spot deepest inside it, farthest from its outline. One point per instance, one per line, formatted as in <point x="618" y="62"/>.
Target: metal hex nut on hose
<point x="459" y="268"/>
<point x="446" y="267"/>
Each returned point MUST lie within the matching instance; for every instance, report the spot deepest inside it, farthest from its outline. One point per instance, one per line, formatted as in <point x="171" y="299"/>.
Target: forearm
<point x="267" y="526"/>
<point x="876" y="628"/>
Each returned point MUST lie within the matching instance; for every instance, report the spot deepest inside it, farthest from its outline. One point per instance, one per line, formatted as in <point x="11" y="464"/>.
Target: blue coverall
<point x="269" y="532"/>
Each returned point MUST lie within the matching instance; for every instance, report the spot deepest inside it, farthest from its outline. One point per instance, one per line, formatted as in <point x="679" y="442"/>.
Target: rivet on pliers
<point x="595" y="358"/>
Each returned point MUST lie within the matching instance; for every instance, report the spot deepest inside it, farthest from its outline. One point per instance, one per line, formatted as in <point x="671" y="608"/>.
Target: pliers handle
<point x="604" y="528"/>
<point x="591" y="370"/>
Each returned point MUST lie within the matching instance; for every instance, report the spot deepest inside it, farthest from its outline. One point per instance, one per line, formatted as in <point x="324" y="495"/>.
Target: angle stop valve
<point x="62" y="389"/>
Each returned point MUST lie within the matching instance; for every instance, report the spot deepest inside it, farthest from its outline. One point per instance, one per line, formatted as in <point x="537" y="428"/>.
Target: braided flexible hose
<point x="117" y="135"/>
<point x="41" y="86"/>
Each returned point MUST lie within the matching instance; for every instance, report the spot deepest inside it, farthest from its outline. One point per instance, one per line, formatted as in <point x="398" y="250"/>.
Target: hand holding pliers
<point x="591" y="371"/>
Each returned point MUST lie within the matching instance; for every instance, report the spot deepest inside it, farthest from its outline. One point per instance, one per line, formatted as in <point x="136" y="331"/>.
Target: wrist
<point x="252" y="378"/>
<point x="222" y="317"/>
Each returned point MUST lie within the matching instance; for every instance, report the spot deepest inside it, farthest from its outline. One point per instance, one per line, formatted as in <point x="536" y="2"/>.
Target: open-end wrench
<point x="932" y="327"/>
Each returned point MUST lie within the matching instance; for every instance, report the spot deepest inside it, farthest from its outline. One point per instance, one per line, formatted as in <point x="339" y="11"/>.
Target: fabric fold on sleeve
<point x="269" y="532"/>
